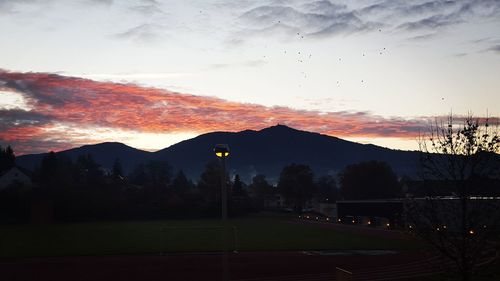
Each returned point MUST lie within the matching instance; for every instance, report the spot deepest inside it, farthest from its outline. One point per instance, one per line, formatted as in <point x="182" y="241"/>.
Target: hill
<point x="103" y="153"/>
<point x="252" y="152"/>
<point x="268" y="150"/>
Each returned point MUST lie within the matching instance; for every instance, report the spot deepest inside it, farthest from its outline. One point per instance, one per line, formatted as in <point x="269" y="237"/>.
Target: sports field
<point x="168" y="236"/>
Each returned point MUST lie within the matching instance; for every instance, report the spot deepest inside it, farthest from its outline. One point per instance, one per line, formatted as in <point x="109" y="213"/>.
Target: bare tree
<point x="459" y="214"/>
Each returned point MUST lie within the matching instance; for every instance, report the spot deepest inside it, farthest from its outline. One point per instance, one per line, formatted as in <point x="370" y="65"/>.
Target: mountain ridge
<point x="264" y="151"/>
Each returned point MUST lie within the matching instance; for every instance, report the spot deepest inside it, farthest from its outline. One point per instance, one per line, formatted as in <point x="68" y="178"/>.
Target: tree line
<point x="75" y="190"/>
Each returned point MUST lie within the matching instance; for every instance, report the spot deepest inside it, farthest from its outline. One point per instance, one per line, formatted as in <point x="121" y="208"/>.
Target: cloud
<point x="494" y="49"/>
<point x="148" y="8"/>
<point x="327" y="18"/>
<point x="249" y="63"/>
<point x="423" y="37"/>
<point x="431" y="23"/>
<point x="101" y="2"/>
<point x="11" y="6"/>
<point x="144" y="33"/>
<point x="315" y="19"/>
<point x="63" y="108"/>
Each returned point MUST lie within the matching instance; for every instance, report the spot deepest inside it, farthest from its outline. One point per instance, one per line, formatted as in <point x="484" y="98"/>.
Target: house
<point x="14" y="175"/>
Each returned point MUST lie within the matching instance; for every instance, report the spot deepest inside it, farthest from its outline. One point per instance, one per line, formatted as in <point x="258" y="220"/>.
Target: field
<point x="173" y="236"/>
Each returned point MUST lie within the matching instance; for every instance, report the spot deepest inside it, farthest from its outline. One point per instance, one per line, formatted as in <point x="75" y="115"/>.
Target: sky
<point x="151" y="73"/>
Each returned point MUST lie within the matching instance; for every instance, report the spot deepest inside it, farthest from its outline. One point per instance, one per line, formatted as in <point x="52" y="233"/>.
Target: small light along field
<point x="174" y="236"/>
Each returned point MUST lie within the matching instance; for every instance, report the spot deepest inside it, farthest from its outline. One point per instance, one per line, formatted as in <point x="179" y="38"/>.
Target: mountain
<point x="267" y="151"/>
<point x="252" y="152"/>
<point x="103" y="153"/>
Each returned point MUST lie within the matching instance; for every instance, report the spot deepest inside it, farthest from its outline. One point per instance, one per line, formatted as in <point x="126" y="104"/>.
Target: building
<point x="14" y="175"/>
<point x="377" y="212"/>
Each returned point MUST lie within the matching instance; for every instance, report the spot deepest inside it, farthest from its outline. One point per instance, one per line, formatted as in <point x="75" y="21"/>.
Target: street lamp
<point x="222" y="152"/>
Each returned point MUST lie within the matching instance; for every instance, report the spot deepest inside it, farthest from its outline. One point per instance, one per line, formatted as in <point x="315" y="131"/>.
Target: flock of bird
<point x="302" y="57"/>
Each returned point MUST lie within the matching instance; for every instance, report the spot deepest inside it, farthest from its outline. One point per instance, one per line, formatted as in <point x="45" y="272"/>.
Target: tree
<point x="158" y="174"/>
<point x="326" y="189"/>
<point x="210" y="183"/>
<point x="138" y="175"/>
<point x="7" y="158"/>
<point x="181" y="184"/>
<point x="117" y="172"/>
<point x="369" y="180"/>
<point x="90" y="171"/>
<point x="48" y="168"/>
<point x="296" y="184"/>
<point x="261" y="190"/>
<point x="238" y="189"/>
<point x="457" y="160"/>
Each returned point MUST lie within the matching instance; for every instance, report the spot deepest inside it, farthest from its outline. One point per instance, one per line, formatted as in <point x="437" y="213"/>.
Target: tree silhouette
<point x="181" y="184"/>
<point x="117" y="172"/>
<point x="262" y="190"/>
<point x="7" y="158"/>
<point x="369" y="180"/>
<point x="326" y="189"/>
<point x="210" y="183"/>
<point x="458" y="159"/>
<point x="296" y="184"/>
<point x="238" y="189"/>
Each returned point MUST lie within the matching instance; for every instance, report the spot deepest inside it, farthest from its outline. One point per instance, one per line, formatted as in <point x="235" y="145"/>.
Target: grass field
<point x="139" y="237"/>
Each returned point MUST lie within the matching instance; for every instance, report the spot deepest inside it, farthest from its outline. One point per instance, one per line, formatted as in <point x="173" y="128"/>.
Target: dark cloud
<point x="431" y="23"/>
<point x="16" y="117"/>
<point x="319" y="18"/>
<point x="326" y="18"/>
<point x="422" y="37"/>
<point x="494" y="49"/>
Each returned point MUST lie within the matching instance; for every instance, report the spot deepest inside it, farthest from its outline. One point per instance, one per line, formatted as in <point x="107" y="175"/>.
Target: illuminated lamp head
<point x="221" y="150"/>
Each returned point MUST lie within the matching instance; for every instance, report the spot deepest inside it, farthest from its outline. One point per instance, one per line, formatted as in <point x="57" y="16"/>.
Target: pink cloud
<point x="55" y="99"/>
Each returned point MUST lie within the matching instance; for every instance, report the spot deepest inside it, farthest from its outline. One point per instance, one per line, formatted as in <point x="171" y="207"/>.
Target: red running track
<point x="246" y="266"/>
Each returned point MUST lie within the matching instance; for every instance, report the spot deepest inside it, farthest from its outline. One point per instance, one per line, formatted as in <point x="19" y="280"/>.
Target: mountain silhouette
<point x="252" y="152"/>
<point x="104" y="154"/>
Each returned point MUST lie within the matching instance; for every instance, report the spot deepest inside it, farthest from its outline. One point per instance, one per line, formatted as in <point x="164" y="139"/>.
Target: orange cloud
<point x="55" y="99"/>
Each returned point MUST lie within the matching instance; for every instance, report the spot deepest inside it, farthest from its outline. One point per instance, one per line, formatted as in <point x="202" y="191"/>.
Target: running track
<point x="246" y="266"/>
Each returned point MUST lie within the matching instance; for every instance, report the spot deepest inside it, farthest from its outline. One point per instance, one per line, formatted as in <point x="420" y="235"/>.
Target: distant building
<point x="327" y="209"/>
<point x="14" y="175"/>
<point x="376" y="211"/>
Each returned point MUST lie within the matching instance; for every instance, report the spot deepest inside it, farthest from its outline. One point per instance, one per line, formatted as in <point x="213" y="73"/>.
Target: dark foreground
<point x="248" y="266"/>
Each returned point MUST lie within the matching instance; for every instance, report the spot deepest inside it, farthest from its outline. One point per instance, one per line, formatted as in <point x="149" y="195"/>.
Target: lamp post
<point x="222" y="152"/>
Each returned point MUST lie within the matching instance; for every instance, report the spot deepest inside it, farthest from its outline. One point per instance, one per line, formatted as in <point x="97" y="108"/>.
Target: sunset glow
<point x="153" y="73"/>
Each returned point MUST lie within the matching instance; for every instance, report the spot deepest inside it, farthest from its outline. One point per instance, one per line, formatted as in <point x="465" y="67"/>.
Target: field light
<point x="221" y="150"/>
<point x="388" y="224"/>
<point x="369" y="222"/>
<point x="471" y="232"/>
<point x="327" y="219"/>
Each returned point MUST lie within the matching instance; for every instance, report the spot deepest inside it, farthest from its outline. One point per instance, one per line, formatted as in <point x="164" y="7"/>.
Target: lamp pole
<point x="224" y="190"/>
<point x="222" y="152"/>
